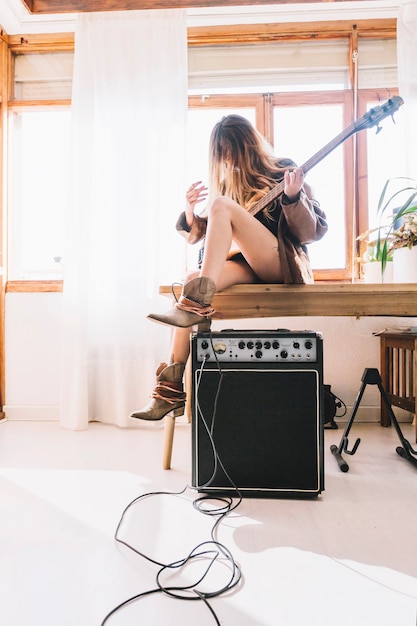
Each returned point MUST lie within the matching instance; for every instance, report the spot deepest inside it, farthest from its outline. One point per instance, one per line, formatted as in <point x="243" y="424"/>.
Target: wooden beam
<point x="81" y="6"/>
<point x="230" y="35"/>
<point x="289" y="31"/>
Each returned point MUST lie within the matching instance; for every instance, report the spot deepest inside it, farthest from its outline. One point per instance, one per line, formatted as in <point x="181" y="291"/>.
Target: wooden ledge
<point x="320" y="299"/>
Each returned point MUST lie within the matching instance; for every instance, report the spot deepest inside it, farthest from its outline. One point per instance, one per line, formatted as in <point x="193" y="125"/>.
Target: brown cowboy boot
<point x="168" y="394"/>
<point x="193" y="306"/>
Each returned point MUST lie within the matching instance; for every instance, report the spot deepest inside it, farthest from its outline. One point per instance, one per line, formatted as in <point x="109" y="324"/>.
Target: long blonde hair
<point x="242" y="164"/>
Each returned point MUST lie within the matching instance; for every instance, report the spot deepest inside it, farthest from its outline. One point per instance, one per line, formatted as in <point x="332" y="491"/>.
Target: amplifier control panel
<point x="257" y="346"/>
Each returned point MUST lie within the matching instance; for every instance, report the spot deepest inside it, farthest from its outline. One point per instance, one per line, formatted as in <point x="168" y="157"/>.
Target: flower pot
<point x="405" y="265"/>
<point x="372" y="272"/>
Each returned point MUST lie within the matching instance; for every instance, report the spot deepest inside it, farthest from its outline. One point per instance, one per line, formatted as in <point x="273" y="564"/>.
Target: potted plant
<point x="397" y="230"/>
<point x="371" y="265"/>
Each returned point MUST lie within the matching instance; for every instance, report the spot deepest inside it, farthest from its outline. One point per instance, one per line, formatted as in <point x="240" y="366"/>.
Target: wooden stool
<point x="398" y="353"/>
<point x="169" y="425"/>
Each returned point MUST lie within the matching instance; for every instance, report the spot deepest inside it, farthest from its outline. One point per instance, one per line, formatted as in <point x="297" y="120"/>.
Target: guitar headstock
<point x="379" y="113"/>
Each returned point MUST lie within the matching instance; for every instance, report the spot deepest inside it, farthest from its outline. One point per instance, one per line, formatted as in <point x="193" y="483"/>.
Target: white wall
<point x="32" y="346"/>
<point x="33" y="329"/>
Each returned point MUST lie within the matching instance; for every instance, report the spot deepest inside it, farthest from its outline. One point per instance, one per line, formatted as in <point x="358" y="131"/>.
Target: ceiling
<point x="43" y="16"/>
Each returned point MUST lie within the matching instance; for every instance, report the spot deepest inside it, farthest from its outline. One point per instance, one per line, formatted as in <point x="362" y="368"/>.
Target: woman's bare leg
<point x="233" y="273"/>
<point x="180" y="345"/>
<point x="227" y="222"/>
<point x="170" y="378"/>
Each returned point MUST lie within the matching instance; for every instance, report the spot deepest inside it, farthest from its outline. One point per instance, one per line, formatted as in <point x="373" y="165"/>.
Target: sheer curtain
<point x="125" y="191"/>
<point x="407" y="79"/>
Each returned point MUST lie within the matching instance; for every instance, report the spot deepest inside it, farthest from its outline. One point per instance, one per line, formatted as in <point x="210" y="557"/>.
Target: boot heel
<point x="178" y="412"/>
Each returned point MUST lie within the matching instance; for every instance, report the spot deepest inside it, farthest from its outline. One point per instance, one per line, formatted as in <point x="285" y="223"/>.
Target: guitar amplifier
<point x="257" y="413"/>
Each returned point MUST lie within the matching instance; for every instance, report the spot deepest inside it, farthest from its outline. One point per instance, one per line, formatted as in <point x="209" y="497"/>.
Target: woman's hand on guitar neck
<point x="197" y="192"/>
<point x="293" y="181"/>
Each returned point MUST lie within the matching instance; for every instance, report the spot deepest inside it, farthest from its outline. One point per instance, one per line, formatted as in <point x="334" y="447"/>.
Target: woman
<point x="270" y="242"/>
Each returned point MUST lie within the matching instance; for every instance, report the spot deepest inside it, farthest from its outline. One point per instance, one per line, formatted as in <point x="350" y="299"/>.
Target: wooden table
<point x="328" y="299"/>
<point x="320" y="299"/>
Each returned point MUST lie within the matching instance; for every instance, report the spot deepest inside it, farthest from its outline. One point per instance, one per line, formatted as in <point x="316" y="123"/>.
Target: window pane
<point x="46" y="76"/>
<point x="299" y="133"/>
<point x="39" y="150"/>
<point x="385" y="159"/>
<point x="377" y="63"/>
<point x="269" y="67"/>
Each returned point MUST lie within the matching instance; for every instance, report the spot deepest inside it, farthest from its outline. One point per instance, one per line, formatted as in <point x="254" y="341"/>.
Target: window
<point x="302" y="131"/>
<point x="38" y="166"/>
<point x="299" y="131"/>
<point x="300" y="92"/>
<point x="46" y="76"/>
<point x="385" y="158"/>
<point x="381" y="157"/>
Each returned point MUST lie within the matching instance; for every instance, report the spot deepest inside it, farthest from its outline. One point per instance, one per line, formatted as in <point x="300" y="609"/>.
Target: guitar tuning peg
<point x="378" y="129"/>
<point x="393" y="119"/>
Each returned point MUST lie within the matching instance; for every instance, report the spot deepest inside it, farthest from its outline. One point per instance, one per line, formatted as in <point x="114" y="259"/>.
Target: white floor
<point x="348" y="557"/>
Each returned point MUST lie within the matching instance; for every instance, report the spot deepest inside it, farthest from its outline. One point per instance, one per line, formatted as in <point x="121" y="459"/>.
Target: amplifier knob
<point x="258" y="354"/>
<point x="241" y="345"/>
<point x="308" y="344"/>
<point x="220" y="347"/>
<point x="284" y="354"/>
<point x="267" y="345"/>
<point x="258" y="345"/>
<point x="204" y="345"/>
<point x="250" y="345"/>
<point x="296" y="344"/>
<point x="275" y="345"/>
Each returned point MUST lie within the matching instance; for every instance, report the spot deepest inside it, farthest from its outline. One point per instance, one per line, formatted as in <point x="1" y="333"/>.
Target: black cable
<point x="226" y="500"/>
<point x="212" y="550"/>
<point x="173" y="285"/>
<point x="340" y="405"/>
<point x="209" y="549"/>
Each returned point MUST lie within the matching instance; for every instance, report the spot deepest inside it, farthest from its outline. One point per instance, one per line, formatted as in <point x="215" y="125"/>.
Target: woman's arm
<point x="195" y="232"/>
<point x="191" y="226"/>
<point x="305" y="219"/>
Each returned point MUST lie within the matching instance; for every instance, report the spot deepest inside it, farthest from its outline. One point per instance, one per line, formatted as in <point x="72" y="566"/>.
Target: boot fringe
<point x="185" y="304"/>
<point x="171" y="395"/>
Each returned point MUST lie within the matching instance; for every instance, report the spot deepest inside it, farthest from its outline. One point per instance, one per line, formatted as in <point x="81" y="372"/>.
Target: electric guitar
<point x="370" y="119"/>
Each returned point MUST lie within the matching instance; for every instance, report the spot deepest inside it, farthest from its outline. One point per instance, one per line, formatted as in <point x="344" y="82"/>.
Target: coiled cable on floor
<point x="212" y="552"/>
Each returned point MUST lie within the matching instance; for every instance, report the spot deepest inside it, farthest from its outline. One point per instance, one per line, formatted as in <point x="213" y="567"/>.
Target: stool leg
<point x="169" y="427"/>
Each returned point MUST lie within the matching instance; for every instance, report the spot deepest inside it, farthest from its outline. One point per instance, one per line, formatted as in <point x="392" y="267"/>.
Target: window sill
<point x="34" y="286"/>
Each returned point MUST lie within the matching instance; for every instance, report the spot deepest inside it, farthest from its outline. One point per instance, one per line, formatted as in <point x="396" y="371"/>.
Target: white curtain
<point x="126" y="189"/>
<point x="407" y="80"/>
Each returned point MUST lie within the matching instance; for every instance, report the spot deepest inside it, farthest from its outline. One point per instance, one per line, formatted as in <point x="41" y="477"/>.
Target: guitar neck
<point x="276" y="191"/>
<point x="371" y="118"/>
